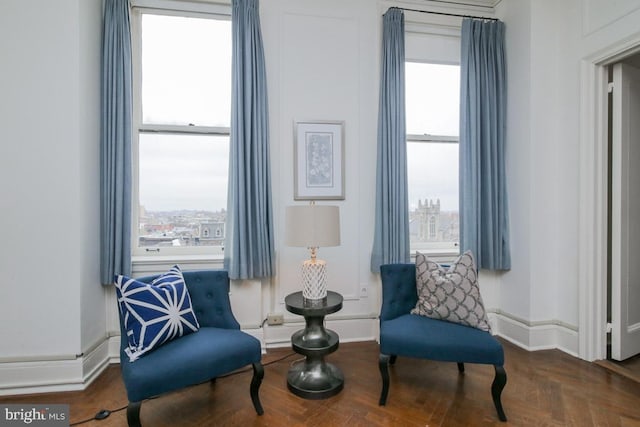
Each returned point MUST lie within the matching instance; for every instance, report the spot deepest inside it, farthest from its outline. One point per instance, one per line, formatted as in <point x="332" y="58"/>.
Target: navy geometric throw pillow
<point x="154" y="313"/>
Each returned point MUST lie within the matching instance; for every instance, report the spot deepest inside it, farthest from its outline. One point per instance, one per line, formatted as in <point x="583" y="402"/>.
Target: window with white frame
<point x="432" y="117"/>
<point x="182" y="103"/>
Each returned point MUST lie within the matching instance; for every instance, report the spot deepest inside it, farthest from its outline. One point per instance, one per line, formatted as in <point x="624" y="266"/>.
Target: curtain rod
<point x="446" y="14"/>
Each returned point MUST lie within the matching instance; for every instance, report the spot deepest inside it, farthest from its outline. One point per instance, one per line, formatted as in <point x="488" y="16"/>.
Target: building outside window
<point x="182" y="103"/>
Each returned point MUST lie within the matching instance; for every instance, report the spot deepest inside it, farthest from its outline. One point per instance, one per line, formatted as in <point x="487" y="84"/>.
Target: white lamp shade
<point x="312" y="226"/>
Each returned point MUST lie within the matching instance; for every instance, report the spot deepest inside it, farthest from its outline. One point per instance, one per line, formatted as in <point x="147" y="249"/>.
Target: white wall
<point x="324" y="75"/>
<point x="49" y="175"/>
<point x="515" y="284"/>
<point x="607" y="24"/>
<point x="538" y="297"/>
<point x="322" y="65"/>
<point x="553" y="155"/>
<point x="89" y="40"/>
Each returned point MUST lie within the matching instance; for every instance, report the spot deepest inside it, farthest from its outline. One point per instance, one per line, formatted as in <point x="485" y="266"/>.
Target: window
<point x="432" y="111"/>
<point x="182" y="101"/>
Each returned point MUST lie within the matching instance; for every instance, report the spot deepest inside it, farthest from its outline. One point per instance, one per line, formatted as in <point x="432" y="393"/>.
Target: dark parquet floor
<point x="629" y="368"/>
<point x="544" y="388"/>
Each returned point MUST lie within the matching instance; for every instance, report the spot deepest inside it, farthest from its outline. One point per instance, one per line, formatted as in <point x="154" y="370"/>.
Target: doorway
<point x="623" y="217"/>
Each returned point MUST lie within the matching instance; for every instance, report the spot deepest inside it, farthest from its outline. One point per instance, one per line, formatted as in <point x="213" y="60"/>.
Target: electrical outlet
<point x="364" y="290"/>
<point x="274" y="319"/>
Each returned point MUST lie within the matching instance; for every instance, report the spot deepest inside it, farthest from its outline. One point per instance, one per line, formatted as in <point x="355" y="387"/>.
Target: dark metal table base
<point x="317" y="381"/>
<point x="314" y="378"/>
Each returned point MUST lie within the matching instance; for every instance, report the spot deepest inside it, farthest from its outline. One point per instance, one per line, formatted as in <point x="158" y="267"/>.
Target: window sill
<point x="146" y="265"/>
<point x="437" y="255"/>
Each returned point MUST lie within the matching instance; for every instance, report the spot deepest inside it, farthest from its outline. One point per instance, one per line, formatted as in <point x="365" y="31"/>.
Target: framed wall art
<point x="319" y="160"/>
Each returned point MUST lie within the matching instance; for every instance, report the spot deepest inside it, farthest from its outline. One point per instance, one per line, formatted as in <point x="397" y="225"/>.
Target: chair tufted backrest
<point x="399" y="294"/>
<point x="209" y="291"/>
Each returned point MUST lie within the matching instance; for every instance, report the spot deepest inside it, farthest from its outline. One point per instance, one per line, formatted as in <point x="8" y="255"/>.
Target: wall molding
<point x="349" y="329"/>
<point x="59" y="374"/>
<point x="470" y="5"/>
<point x="49" y="374"/>
<point x="535" y="335"/>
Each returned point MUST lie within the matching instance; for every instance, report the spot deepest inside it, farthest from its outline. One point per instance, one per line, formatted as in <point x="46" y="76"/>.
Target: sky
<point x="186" y="65"/>
<point x="433" y="174"/>
<point x="432" y="107"/>
<point x="183" y="172"/>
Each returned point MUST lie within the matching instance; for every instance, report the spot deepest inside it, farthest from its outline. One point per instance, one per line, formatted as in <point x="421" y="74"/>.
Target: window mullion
<point x="432" y="138"/>
<point x="181" y="129"/>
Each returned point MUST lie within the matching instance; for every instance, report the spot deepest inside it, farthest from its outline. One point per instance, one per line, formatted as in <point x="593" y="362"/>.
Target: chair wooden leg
<point x="496" y="390"/>
<point x="461" y="367"/>
<point x="383" y="364"/>
<point x="133" y="414"/>
<point x="258" y="374"/>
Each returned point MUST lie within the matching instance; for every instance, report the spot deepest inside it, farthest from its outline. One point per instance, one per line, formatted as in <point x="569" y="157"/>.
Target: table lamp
<point x="313" y="226"/>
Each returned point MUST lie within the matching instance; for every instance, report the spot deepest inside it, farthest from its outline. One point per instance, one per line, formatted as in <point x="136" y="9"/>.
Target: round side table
<point x="314" y="378"/>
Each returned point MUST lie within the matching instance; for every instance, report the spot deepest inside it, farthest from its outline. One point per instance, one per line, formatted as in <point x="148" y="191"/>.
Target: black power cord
<point x="248" y="369"/>
<point x="100" y="415"/>
<point x="104" y="413"/>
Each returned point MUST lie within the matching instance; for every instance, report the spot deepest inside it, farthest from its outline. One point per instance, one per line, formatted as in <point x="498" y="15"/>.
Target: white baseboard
<point x="71" y="373"/>
<point x="95" y="362"/>
<point x="54" y="373"/>
<point x="114" y="349"/>
<point x="538" y="335"/>
<point x="41" y="376"/>
<point x="348" y="329"/>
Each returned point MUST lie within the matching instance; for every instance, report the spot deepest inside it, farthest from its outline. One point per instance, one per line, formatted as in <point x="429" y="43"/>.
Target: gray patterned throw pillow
<point x="450" y="294"/>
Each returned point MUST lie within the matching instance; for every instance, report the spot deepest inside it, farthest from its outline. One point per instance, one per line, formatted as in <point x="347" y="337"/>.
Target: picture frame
<point x="319" y="160"/>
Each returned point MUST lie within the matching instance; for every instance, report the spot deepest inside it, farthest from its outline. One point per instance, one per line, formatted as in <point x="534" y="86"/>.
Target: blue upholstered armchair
<point x="411" y="335"/>
<point x="217" y="348"/>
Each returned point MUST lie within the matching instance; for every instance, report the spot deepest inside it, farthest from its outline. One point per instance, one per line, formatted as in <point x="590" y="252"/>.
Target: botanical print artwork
<point x="319" y="159"/>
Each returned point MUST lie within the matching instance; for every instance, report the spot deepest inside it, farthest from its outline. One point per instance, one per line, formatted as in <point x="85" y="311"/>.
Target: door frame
<point x="593" y="182"/>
